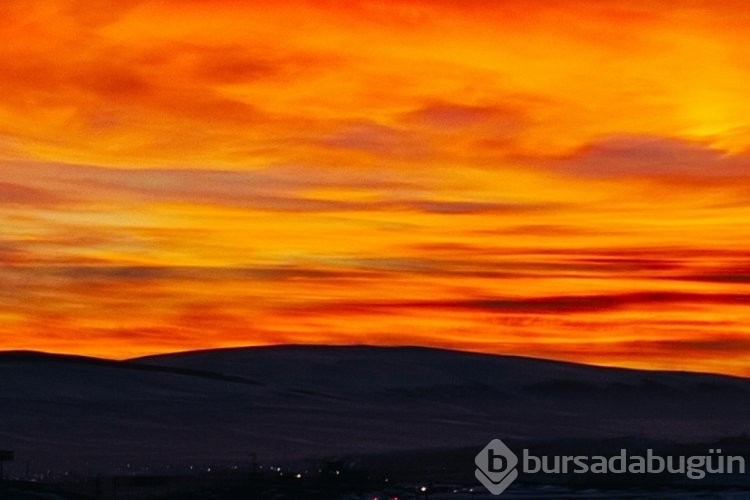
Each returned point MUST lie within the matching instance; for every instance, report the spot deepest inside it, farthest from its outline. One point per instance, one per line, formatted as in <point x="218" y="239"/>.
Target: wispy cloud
<point x="644" y="156"/>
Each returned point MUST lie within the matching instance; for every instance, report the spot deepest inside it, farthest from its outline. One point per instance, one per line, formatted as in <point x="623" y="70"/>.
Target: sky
<point x="558" y="179"/>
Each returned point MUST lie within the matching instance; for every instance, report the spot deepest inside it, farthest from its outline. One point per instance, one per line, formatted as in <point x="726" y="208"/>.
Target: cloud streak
<point x="645" y="156"/>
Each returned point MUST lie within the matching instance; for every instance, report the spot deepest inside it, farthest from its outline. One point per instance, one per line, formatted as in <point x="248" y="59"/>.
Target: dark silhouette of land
<point x="215" y="418"/>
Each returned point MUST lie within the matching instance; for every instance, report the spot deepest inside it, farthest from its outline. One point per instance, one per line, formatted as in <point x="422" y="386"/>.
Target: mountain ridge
<point x="40" y="355"/>
<point x="296" y="401"/>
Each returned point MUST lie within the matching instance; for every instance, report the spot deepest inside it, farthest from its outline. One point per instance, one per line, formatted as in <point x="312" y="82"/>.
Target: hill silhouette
<point x="289" y="402"/>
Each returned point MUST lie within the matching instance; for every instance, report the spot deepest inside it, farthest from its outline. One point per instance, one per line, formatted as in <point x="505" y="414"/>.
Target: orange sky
<point x="565" y="179"/>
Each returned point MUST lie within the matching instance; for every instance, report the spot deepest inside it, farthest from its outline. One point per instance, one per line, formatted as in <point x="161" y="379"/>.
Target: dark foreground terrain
<point x="433" y="474"/>
<point x="219" y="424"/>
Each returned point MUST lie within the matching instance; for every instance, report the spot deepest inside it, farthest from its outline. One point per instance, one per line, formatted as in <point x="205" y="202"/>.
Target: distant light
<point x="423" y="489"/>
<point x="299" y="476"/>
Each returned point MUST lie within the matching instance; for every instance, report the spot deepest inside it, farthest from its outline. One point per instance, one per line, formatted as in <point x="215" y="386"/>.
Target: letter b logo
<point x="496" y="467"/>
<point x="497" y="463"/>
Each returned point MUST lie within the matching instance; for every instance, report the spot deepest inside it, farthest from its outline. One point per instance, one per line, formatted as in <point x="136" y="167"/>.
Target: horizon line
<point x="134" y="360"/>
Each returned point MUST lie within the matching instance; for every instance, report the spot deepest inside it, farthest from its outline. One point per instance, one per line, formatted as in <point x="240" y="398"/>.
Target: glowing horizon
<point x="567" y="180"/>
